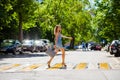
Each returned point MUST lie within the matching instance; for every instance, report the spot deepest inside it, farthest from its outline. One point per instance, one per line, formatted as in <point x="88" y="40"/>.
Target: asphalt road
<point x="81" y="65"/>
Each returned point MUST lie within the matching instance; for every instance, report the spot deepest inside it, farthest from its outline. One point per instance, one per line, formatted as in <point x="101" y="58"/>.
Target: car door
<point x="18" y="45"/>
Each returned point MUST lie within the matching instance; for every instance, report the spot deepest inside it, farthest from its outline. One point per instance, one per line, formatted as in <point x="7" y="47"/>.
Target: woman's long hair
<point x="55" y="29"/>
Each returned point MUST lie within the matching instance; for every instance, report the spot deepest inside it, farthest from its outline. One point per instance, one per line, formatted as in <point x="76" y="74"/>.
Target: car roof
<point x="114" y="41"/>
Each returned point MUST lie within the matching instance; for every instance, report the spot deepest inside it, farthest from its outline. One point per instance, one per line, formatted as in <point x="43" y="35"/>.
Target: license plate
<point x="114" y="51"/>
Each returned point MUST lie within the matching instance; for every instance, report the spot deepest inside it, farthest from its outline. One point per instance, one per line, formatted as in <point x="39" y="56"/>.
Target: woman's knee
<point x="63" y="50"/>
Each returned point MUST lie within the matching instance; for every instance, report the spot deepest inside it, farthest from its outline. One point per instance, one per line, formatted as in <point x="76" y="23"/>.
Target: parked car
<point x="96" y="47"/>
<point x="28" y="45"/>
<point x="106" y="48"/>
<point x="90" y="45"/>
<point x="46" y="41"/>
<point x="40" y="46"/>
<point x="78" y="47"/>
<point x="10" y="46"/>
<point x="115" y="47"/>
<point x="67" y="47"/>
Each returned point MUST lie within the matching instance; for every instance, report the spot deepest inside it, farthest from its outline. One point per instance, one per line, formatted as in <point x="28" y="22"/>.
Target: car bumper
<point x="6" y="51"/>
<point x="113" y="51"/>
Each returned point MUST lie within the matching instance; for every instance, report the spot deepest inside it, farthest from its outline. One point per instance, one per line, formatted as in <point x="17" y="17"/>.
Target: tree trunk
<point x="72" y="43"/>
<point x="20" y="27"/>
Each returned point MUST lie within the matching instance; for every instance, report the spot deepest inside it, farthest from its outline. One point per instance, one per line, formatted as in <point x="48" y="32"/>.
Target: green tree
<point x="7" y="19"/>
<point x="25" y="10"/>
<point x="72" y="15"/>
<point x="16" y="15"/>
<point x="108" y="19"/>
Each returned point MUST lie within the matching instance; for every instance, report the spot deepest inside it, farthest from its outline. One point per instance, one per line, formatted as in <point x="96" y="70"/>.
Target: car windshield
<point x="38" y="42"/>
<point x="27" y="42"/>
<point x="7" y="43"/>
<point x="119" y="42"/>
<point x="115" y="41"/>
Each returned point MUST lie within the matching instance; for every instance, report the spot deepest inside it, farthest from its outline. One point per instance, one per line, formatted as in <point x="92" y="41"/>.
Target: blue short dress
<point x="59" y="42"/>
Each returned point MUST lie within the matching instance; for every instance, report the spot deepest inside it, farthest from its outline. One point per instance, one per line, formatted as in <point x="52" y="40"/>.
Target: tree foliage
<point x="77" y="18"/>
<point x="17" y="15"/>
<point x="108" y="19"/>
<point x="7" y="19"/>
<point x="72" y="15"/>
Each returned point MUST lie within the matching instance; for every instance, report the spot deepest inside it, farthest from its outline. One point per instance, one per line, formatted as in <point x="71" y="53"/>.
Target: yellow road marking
<point x="31" y="67"/>
<point x="56" y="66"/>
<point x="81" y="66"/>
<point x="9" y="67"/>
<point x="104" y="66"/>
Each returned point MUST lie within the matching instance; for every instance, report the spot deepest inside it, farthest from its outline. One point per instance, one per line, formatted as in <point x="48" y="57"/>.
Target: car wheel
<point x="117" y="55"/>
<point x="20" y="52"/>
<point x="14" y="51"/>
<point x="40" y="50"/>
<point x="111" y="53"/>
<point x="32" y="51"/>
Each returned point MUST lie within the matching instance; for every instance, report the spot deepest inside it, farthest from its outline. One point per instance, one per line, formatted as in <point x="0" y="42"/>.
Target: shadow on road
<point x="110" y="56"/>
<point x="25" y="55"/>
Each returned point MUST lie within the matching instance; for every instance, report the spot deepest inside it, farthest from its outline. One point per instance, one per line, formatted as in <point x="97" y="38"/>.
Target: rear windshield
<point x="28" y="42"/>
<point x="7" y="43"/>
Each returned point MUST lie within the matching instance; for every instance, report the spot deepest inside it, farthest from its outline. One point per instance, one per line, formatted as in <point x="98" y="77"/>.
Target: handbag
<point x="50" y="51"/>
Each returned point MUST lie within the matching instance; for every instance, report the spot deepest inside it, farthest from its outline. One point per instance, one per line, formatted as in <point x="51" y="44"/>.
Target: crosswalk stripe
<point x="104" y="66"/>
<point x="81" y="66"/>
<point x="56" y="66"/>
<point x="31" y="67"/>
<point x="38" y="66"/>
<point x="9" y="67"/>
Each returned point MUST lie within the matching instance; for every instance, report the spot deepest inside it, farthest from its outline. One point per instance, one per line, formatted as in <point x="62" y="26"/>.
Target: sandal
<point x="64" y="65"/>
<point x="48" y="63"/>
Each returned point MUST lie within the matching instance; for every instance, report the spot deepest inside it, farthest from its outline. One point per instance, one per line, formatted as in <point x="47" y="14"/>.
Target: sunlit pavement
<point x="81" y="65"/>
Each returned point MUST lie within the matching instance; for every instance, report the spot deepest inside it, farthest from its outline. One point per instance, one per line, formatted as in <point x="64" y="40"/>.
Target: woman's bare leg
<point x="63" y="57"/>
<point x="50" y="60"/>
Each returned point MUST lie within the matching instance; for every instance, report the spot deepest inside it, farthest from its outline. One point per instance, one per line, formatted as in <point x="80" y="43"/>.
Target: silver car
<point x="40" y="46"/>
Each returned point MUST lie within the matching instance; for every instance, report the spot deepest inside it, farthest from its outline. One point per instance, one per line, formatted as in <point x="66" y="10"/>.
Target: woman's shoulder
<point x="56" y="34"/>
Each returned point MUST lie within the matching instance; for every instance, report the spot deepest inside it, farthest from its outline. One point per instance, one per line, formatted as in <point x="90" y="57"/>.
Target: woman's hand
<point x="54" y="46"/>
<point x="70" y="38"/>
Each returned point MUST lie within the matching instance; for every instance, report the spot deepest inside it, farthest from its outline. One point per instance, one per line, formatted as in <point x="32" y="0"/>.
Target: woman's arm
<point x="56" y="38"/>
<point x="66" y="37"/>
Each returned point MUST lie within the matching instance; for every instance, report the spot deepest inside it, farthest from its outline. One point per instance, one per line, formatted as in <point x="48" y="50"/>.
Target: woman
<point x="58" y="44"/>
